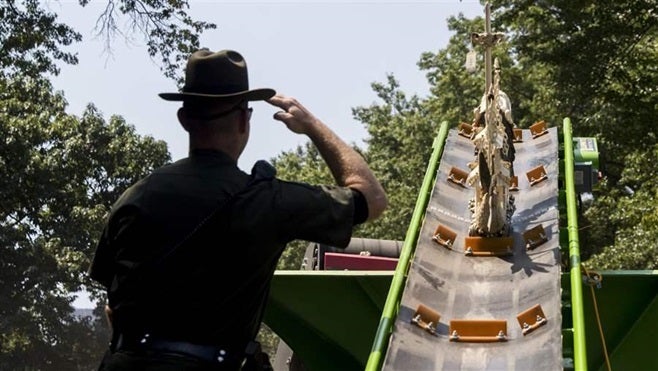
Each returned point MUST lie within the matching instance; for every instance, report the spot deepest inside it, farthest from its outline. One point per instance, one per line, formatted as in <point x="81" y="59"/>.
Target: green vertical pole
<point x="580" y="353"/>
<point x="399" y="277"/>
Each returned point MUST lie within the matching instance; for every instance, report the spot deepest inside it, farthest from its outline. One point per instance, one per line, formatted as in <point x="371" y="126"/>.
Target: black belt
<point x="208" y="353"/>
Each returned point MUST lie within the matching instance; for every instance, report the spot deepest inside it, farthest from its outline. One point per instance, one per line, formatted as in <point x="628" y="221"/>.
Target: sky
<point x="326" y="54"/>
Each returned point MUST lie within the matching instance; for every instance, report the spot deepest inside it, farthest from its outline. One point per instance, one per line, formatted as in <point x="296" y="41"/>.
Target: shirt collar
<point x="210" y="153"/>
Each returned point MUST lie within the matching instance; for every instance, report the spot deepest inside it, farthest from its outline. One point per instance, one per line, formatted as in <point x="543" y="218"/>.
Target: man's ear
<point x="182" y="118"/>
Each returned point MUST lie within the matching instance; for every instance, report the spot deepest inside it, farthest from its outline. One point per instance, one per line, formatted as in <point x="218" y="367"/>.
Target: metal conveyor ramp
<point x="454" y="286"/>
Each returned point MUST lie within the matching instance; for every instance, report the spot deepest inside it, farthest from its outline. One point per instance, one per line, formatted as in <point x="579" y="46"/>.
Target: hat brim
<point x="249" y="95"/>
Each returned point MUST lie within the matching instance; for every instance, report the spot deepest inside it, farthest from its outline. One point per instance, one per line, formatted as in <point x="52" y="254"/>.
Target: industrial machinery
<point x="489" y="274"/>
<point x="362" y="319"/>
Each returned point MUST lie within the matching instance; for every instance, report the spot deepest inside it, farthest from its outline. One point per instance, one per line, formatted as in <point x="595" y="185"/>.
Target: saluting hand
<point x="296" y="117"/>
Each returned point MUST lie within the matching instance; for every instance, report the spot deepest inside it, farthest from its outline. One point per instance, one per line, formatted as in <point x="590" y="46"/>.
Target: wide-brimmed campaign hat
<point x="218" y="75"/>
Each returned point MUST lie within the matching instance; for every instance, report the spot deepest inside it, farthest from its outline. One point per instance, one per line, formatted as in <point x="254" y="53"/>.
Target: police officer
<point x="189" y="251"/>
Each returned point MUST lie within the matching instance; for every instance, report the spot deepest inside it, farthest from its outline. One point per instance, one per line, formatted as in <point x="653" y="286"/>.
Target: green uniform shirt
<point x="212" y="289"/>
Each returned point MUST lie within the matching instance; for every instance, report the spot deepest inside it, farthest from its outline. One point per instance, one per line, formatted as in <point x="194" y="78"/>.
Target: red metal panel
<point x="338" y="261"/>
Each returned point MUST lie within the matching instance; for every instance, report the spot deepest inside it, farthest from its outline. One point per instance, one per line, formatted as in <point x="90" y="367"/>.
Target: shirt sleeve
<point x="323" y="214"/>
<point x="103" y="266"/>
<point x="360" y="207"/>
<point x="288" y="211"/>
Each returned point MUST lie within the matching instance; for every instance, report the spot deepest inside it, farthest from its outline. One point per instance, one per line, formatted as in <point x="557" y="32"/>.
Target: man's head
<point x="215" y="100"/>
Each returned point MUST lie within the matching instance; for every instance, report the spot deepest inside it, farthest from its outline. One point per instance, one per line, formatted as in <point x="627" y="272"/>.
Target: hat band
<point x="216" y="90"/>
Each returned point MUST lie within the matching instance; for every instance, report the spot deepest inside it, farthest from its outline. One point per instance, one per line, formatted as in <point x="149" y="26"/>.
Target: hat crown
<point x="218" y="75"/>
<point x="222" y="72"/>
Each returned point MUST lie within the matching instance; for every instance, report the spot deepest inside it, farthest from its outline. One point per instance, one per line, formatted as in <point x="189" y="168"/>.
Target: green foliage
<point x="591" y="46"/>
<point x="302" y="164"/>
<point x="456" y="92"/>
<point x="32" y="40"/>
<point x="602" y="65"/>
<point x="61" y="175"/>
<point x="624" y="221"/>
<point x="399" y="146"/>
<point x="601" y="72"/>
<point x="170" y="33"/>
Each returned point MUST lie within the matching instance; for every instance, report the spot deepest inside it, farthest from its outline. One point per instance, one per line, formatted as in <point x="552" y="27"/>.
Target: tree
<point x="601" y="63"/>
<point x="61" y="175"/>
<point x="32" y="40"/>
<point x="630" y="212"/>
<point x="401" y="132"/>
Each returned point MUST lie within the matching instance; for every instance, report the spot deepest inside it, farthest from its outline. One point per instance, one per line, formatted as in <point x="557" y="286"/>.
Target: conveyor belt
<point x="467" y="287"/>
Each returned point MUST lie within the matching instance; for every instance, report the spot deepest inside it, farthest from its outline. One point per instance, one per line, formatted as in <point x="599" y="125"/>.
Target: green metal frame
<point x="627" y="305"/>
<point x="328" y="317"/>
<point x="586" y="150"/>
<point x="578" y="318"/>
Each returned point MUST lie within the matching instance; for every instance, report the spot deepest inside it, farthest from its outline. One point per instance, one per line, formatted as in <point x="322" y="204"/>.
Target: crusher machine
<point x="489" y="274"/>
<point x="363" y="319"/>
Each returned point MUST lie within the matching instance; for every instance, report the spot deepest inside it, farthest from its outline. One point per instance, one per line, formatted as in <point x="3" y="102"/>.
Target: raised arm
<point x="347" y="166"/>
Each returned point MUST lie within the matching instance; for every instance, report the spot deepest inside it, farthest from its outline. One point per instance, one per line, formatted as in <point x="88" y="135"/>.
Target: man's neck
<point x="233" y="153"/>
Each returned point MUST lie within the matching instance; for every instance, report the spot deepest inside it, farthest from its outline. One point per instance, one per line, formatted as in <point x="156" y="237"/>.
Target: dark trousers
<point x="156" y="361"/>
